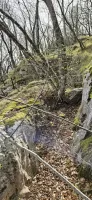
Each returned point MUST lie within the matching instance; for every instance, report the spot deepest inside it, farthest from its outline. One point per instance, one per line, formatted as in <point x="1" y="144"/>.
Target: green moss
<point x="86" y="64"/>
<point x="86" y="143"/>
<point x="77" y="117"/>
<point x="29" y="91"/>
<point x="91" y="95"/>
<point x="62" y="114"/>
<point x="32" y="101"/>
<point x="19" y="107"/>
<point x="85" y="171"/>
<point x="9" y="107"/>
<point x="52" y="56"/>
<point x="13" y="92"/>
<point x="85" y="55"/>
<point x="73" y="50"/>
<point x="76" y="121"/>
<point x="8" y="112"/>
<point x="68" y="90"/>
<point x="3" y="102"/>
<point x="34" y="83"/>
<point x="18" y="116"/>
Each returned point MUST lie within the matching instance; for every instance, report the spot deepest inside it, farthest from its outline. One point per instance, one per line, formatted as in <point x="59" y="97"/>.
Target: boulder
<point x="82" y="144"/>
<point x="74" y="95"/>
<point x="17" y="167"/>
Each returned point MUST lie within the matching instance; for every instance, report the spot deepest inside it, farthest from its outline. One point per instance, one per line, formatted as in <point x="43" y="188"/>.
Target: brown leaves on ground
<point x="47" y="186"/>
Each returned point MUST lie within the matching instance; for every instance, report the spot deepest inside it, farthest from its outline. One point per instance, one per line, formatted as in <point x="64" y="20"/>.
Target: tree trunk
<point x="5" y="29"/>
<point x="10" y="51"/>
<point x="62" y="51"/>
<point x="37" y="23"/>
<point x="58" y="33"/>
<point x="23" y="31"/>
<point x="64" y="23"/>
<point x="35" y="31"/>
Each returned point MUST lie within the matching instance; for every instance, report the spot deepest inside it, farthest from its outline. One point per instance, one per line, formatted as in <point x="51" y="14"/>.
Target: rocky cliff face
<point x="16" y="166"/>
<point x="83" y="139"/>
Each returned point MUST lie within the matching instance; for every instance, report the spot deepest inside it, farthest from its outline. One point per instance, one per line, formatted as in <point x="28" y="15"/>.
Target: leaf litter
<point x="45" y="185"/>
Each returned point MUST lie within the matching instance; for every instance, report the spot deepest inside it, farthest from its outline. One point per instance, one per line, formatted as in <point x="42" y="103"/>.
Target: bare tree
<point x="57" y="30"/>
<point x="23" y="31"/>
<point x="71" y="28"/>
<point x="9" y="49"/>
<point x="36" y="38"/>
<point x="64" y="22"/>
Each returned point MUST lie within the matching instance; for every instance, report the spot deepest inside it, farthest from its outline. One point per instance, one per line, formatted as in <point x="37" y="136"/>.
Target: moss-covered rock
<point x="81" y="62"/>
<point x="12" y="111"/>
<point x="73" y="95"/>
<point x="86" y="144"/>
<point x="82" y="145"/>
<point x="9" y="107"/>
<point x="77" y="119"/>
<point x="85" y="171"/>
<point x="10" y="121"/>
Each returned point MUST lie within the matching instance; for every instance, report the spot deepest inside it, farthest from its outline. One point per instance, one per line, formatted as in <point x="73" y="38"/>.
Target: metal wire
<point x="48" y="113"/>
<point x="52" y="169"/>
<point x="53" y="115"/>
<point x="40" y="159"/>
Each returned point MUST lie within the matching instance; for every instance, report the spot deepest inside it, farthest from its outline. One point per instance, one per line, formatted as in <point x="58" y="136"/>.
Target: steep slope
<point x="48" y="130"/>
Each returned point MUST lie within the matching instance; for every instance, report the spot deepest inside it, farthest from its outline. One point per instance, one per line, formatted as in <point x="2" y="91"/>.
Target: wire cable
<point x="53" y="115"/>
<point x="52" y="169"/>
<point x="48" y="113"/>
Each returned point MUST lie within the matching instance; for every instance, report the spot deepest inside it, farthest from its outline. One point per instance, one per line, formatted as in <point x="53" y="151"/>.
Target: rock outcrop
<point x="17" y="167"/>
<point x="73" y="96"/>
<point x="82" y="147"/>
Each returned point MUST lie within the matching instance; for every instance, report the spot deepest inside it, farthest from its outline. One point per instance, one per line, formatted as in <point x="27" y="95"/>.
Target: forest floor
<point x="57" y="144"/>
